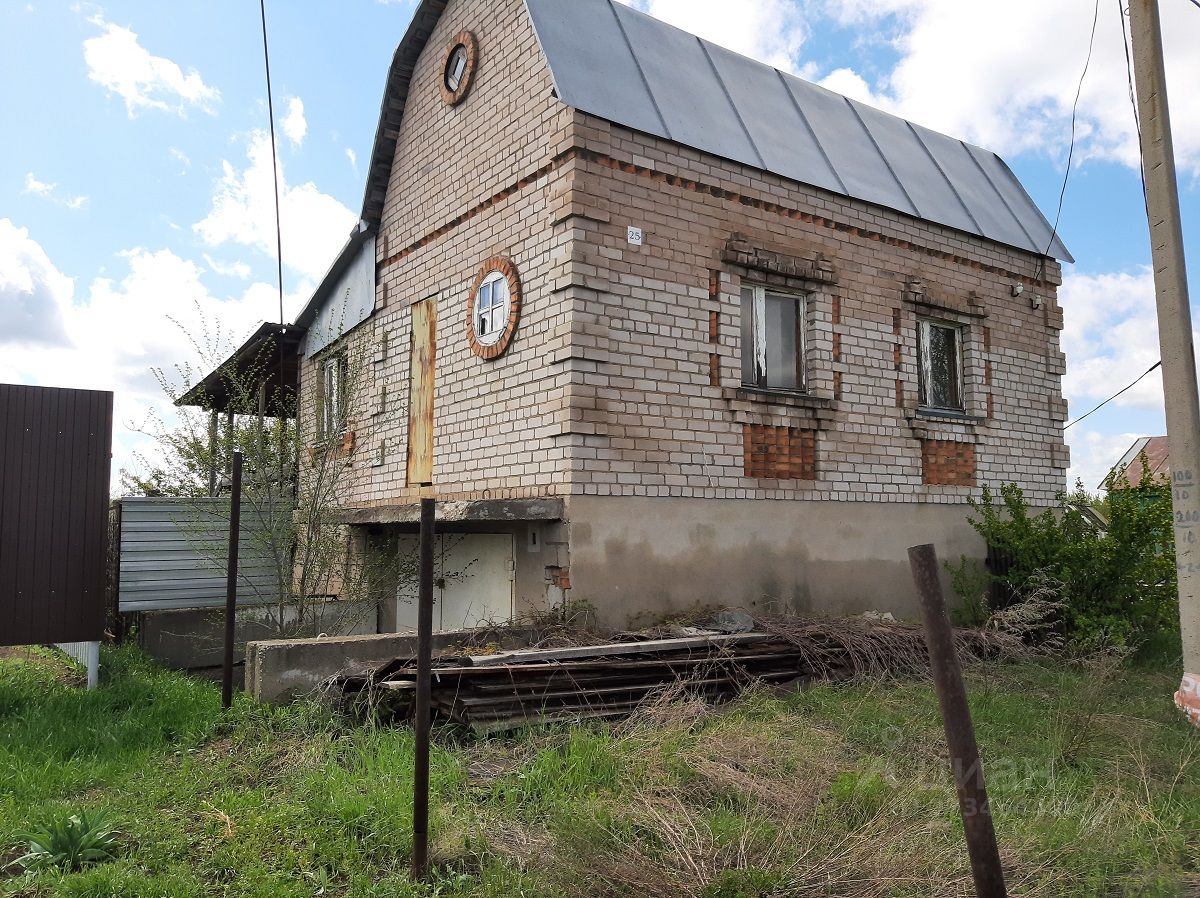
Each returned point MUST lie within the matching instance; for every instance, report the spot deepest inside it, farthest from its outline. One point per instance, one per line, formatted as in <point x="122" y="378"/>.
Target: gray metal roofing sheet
<point x="619" y="64"/>
<point x="784" y="140"/>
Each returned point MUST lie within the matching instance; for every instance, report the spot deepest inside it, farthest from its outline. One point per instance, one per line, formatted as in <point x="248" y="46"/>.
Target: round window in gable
<point x="493" y="308"/>
<point x="458" y="67"/>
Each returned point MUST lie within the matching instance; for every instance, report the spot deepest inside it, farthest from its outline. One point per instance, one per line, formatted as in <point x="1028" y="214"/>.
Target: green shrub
<point x="71" y="844"/>
<point x="1117" y="585"/>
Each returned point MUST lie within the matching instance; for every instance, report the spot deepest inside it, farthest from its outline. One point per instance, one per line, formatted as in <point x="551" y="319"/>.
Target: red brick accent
<point x="714" y="284"/>
<point x="714" y="369"/>
<point x="837" y="311"/>
<point x="779" y="453"/>
<point x="505" y="266"/>
<point x="991" y="412"/>
<point x="899" y="393"/>
<point x="897" y="357"/>
<point x="465" y="39"/>
<point x="987" y="339"/>
<point x="714" y="326"/>
<point x="837" y="347"/>
<point x="947" y="463"/>
<point x="837" y="385"/>
<point x="896" y="321"/>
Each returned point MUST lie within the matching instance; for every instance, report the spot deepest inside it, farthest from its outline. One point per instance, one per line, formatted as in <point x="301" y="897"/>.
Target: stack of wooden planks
<point x="490" y="693"/>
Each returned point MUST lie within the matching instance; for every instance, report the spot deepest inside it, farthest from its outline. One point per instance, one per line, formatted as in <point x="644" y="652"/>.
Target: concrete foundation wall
<point x="283" y="670"/>
<point x="638" y="558"/>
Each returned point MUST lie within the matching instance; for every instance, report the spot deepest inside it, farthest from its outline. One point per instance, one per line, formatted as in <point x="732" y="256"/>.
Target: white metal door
<point x="473" y="580"/>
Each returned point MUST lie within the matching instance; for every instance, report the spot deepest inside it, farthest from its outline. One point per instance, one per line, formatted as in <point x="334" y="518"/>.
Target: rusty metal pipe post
<point x="231" y="578"/>
<point x="420" y="858"/>
<point x="960" y="732"/>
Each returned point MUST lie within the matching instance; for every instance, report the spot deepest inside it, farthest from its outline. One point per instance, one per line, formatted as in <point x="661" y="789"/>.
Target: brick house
<point x="660" y="325"/>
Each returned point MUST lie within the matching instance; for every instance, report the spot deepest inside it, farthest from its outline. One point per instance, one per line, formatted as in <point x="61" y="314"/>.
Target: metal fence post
<point x="420" y="859"/>
<point x="960" y="732"/>
<point x="231" y="578"/>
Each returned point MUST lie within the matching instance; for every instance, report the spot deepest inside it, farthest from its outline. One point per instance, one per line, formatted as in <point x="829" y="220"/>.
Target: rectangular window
<point x="772" y="339"/>
<point x="333" y="396"/>
<point x="939" y="347"/>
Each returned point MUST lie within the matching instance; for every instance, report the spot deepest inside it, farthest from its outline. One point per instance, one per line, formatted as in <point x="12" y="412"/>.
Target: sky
<point x="136" y="203"/>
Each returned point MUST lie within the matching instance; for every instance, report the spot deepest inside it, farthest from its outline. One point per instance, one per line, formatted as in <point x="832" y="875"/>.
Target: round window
<point x="493" y="308"/>
<point x="493" y="302"/>
<point x="456" y="68"/>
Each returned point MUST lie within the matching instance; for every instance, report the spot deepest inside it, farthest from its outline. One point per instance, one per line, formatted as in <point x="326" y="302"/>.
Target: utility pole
<point x="1174" y="332"/>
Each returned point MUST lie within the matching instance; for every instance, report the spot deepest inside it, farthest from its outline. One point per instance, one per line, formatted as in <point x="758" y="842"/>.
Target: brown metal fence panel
<point x="55" y="459"/>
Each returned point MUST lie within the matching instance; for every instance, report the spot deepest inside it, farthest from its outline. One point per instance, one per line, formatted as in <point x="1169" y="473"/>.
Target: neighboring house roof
<point x="257" y="361"/>
<point x="622" y="65"/>
<point x="1158" y="457"/>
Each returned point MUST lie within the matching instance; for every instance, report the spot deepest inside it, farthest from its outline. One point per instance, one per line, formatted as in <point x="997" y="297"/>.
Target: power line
<point x="1152" y="368"/>
<point x="262" y="6"/>
<point x="1071" y="152"/>
<point x="280" y="410"/>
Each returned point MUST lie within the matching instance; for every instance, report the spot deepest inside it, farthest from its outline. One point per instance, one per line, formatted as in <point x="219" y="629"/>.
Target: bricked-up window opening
<point x="456" y="68"/>
<point x="939" y="347"/>
<point x="333" y="396"/>
<point x="772" y="339"/>
<point x="492" y="307"/>
<point x="779" y="453"/>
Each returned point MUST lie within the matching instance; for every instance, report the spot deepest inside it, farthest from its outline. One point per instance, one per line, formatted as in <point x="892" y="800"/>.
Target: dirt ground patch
<point x="57" y="665"/>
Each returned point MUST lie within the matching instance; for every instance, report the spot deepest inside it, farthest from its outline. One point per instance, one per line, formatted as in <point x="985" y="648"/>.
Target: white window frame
<point x="760" y="335"/>
<point x="333" y="396"/>
<point x="925" y="362"/>
<point x="457" y="73"/>
<point x="491" y="315"/>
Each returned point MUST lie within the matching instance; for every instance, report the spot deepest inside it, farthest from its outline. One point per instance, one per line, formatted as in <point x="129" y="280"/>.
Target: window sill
<point x="792" y="398"/>
<point x="950" y="416"/>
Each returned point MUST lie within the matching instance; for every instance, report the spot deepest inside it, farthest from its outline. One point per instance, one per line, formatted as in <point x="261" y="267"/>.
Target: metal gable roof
<point x="616" y="63"/>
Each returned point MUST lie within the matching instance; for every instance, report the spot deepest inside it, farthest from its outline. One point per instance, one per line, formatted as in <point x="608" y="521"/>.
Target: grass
<point x="837" y="790"/>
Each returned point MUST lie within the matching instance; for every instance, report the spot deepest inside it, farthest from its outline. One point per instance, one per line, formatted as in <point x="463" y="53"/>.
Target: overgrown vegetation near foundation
<point x="837" y="790"/>
<point x="1113" y="586"/>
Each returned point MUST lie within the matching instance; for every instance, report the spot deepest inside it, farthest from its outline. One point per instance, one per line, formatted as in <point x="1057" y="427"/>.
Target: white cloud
<point x="121" y="65"/>
<point x="33" y="292"/>
<point x="295" y="126"/>
<point x="1093" y="455"/>
<point x="353" y="157"/>
<point x="772" y="31"/>
<point x="239" y="270"/>
<point x="1110" y="337"/>
<point x="1004" y="75"/>
<point x="314" y="224"/>
<point x="181" y="157"/>
<point x="35" y="187"/>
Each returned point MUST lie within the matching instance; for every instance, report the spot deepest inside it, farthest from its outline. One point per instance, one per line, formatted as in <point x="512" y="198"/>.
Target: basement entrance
<point x="473" y="577"/>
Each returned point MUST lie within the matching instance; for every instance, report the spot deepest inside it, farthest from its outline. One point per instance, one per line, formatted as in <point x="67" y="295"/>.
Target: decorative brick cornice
<point x="466" y="40"/>
<point x="504" y="266"/>
<point x="740" y="250"/>
<point x="791" y="213"/>
<point x="916" y="293"/>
